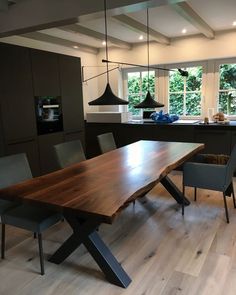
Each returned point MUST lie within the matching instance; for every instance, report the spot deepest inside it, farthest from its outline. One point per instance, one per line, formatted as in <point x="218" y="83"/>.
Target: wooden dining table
<point x="94" y="191"/>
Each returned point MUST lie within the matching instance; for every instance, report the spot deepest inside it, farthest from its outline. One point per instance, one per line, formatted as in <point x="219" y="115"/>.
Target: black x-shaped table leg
<point x="85" y="232"/>
<point x="174" y="191"/>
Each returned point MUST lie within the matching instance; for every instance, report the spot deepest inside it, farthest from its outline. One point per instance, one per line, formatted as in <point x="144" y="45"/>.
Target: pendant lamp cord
<point x="105" y="15"/>
<point x="148" y="44"/>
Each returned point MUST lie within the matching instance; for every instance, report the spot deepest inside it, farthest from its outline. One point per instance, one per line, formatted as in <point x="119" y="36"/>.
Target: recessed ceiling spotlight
<point x="234" y="23"/>
<point x="75" y="47"/>
<point x="184" y="31"/>
<point x="140" y="37"/>
<point x="103" y="43"/>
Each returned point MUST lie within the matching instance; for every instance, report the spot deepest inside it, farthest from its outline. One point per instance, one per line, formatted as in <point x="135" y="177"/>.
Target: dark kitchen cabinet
<point x="69" y="136"/>
<point x="45" y="71"/>
<point x="25" y="74"/>
<point x="46" y="151"/>
<point x="216" y="141"/>
<point x="71" y="92"/>
<point x="16" y="94"/>
<point x="233" y="139"/>
<point x="1" y="138"/>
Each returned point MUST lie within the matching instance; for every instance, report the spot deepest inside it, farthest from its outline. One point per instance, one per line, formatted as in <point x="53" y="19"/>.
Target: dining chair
<point x="106" y="142"/>
<point x="15" y="169"/>
<point x="211" y="176"/>
<point x="68" y="153"/>
<point x="9" y="176"/>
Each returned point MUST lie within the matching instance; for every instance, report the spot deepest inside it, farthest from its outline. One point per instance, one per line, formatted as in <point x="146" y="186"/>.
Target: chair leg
<point x="3" y="241"/>
<point x="41" y="253"/>
<point x="35" y="235"/>
<point x="226" y="209"/>
<point x="233" y="194"/>
<point x="183" y="192"/>
<point x="195" y="194"/>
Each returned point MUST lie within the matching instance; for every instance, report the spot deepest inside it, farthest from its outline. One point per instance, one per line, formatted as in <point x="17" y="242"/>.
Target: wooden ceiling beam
<point x="97" y="35"/>
<point x="186" y="11"/>
<point x="35" y="15"/>
<point x="59" y="41"/>
<point x="139" y="27"/>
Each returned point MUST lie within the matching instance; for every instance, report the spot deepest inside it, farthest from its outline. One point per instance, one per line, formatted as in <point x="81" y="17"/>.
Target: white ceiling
<point x="219" y="14"/>
<point x="216" y="15"/>
<point x="165" y="20"/>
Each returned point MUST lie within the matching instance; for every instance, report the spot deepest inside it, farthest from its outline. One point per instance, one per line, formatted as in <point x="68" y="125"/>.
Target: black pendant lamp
<point x="148" y="102"/>
<point x="108" y="97"/>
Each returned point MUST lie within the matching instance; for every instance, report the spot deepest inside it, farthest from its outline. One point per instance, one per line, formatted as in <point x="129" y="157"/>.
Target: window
<point x="185" y="93"/>
<point x="137" y="88"/>
<point x="227" y="89"/>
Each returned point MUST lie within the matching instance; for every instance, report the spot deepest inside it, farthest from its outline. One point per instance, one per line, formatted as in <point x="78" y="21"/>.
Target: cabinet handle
<point x="73" y="132"/>
<point x="23" y="141"/>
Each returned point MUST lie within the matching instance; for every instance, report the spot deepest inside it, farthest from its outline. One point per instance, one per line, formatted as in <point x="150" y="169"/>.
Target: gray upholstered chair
<point x="9" y="176"/>
<point x="106" y="142"/>
<point x="68" y="153"/>
<point x="15" y="169"/>
<point x="212" y="177"/>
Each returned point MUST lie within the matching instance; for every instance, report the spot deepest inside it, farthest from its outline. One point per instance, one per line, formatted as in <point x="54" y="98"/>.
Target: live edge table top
<point x="101" y="186"/>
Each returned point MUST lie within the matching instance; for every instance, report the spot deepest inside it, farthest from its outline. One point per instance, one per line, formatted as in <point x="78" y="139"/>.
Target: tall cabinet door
<point x="71" y="92"/>
<point x="45" y="70"/>
<point x="16" y="94"/>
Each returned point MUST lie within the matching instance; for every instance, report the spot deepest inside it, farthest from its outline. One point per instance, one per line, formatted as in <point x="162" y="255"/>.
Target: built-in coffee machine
<point x="49" y="114"/>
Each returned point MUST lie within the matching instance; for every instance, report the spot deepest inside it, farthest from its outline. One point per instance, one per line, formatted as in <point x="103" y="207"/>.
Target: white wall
<point x="188" y="49"/>
<point x="90" y="89"/>
<point x="181" y="50"/>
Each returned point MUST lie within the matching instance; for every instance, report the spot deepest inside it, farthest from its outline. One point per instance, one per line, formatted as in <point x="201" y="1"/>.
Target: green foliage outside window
<point x="185" y="92"/>
<point x="137" y="88"/>
<point x="227" y="91"/>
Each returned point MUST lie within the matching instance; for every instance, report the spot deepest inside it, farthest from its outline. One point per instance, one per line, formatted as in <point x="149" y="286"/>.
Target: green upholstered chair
<point x="211" y="176"/>
<point x="106" y="142"/>
<point x="68" y="153"/>
<point x="15" y="169"/>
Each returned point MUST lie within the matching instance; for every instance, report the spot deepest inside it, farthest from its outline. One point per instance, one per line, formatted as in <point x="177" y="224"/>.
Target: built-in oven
<point x="48" y="114"/>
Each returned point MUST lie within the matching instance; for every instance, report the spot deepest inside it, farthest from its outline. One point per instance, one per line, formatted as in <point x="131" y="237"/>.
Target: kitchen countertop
<point x="184" y="123"/>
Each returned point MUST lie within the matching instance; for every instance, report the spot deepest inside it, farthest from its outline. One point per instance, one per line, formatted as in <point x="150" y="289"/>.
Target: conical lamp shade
<point x="149" y="103"/>
<point x="108" y="98"/>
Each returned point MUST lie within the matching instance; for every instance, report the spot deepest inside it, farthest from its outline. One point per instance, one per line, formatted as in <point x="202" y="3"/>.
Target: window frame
<point x="217" y="64"/>
<point x="203" y="88"/>
<point x="125" y="73"/>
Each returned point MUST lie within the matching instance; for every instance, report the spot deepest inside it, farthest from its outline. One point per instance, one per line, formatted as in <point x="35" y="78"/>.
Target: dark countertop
<point x="198" y="124"/>
<point x="176" y="123"/>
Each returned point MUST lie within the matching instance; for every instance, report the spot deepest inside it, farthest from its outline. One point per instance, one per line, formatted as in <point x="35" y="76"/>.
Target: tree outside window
<point x="227" y="89"/>
<point x="185" y="93"/>
<point x="137" y="88"/>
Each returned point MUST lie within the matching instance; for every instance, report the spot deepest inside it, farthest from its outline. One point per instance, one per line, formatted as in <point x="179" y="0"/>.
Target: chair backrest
<point x="231" y="165"/>
<point x="14" y="169"/>
<point x="68" y="153"/>
<point x="106" y="142"/>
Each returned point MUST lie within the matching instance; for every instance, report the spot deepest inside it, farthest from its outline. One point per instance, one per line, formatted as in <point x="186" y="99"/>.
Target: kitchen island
<point x="218" y="138"/>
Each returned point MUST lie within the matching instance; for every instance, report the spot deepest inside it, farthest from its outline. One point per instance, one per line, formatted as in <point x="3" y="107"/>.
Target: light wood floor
<point x="162" y="252"/>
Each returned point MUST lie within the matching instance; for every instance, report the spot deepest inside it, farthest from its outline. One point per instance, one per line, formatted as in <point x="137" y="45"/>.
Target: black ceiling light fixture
<point x="183" y="73"/>
<point x="108" y="97"/>
<point x="148" y="102"/>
